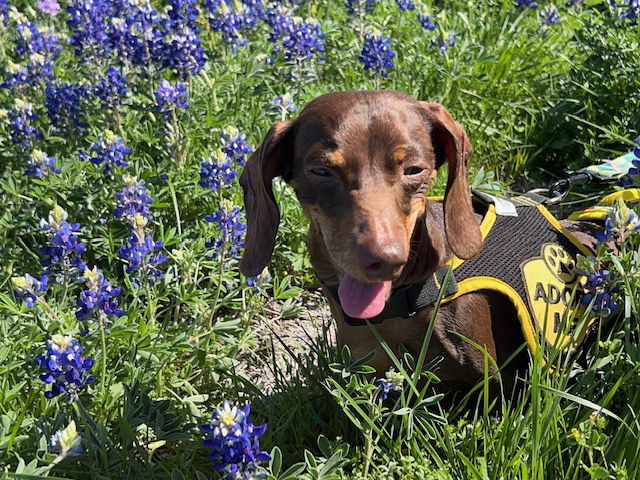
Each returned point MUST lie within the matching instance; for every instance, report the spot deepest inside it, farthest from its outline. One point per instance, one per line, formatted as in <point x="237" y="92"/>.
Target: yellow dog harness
<point x="529" y="257"/>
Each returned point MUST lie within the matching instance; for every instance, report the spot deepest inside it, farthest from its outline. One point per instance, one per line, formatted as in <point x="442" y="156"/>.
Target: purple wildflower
<point x="99" y="296"/>
<point x="216" y="172"/>
<point x="66" y="370"/>
<point x="550" y="17"/>
<point x="392" y="381"/>
<point x="445" y="42"/>
<point x="597" y="295"/>
<point x="112" y="87"/>
<point x="63" y="102"/>
<point x="359" y="7"/>
<point x="41" y="164"/>
<point x="52" y="7"/>
<point x="425" y="21"/>
<point x="139" y="253"/>
<point x="168" y="97"/>
<point x="27" y="288"/>
<point x="405" y="5"/>
<point x="302" y="39"/>
<point x="376" y="55"/>
<point x="231" y="237"/>
<point x="283" y="105"/>
<point x="133" y="200"/>
<point x="526" y="3"/>
<point x="21" y="118"/>
<point x="234" y="145"/>
<point x="63" y="253"/>
<point x="234" y="442"/>
<point x="108" y="149"/>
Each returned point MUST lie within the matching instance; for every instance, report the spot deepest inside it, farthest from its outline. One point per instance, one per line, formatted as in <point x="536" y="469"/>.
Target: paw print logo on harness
<point x="552" y="286"/>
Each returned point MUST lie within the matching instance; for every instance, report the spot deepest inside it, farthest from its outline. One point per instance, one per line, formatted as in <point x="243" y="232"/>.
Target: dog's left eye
<point x="413" y="170"/>
<point x="321" y="172"/>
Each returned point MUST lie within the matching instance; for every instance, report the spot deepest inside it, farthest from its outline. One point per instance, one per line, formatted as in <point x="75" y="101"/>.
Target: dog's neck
<point x="429" y="250"/>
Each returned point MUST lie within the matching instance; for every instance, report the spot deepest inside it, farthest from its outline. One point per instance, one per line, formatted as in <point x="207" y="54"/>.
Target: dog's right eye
<point x="413" y="171"/>
<point x="321" y="171"/>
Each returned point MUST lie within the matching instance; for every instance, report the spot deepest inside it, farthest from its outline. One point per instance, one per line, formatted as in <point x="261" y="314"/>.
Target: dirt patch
<point x="284" y="345"/>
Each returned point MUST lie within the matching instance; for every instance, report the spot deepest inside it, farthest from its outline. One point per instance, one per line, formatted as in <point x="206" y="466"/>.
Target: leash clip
<point x="559" y="189"/>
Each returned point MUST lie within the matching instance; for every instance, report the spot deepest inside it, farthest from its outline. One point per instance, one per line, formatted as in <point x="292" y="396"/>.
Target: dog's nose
<point x="382" y="262"/>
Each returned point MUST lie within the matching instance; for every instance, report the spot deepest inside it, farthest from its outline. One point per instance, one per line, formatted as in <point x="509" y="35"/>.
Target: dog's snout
<point x="381" y="261"/>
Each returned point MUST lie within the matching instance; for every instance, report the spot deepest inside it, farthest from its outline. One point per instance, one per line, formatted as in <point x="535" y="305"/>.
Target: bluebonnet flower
<point x="632" y="179"/>
<point x="4" y="11"/>
<point x="63" y="253"/>
<point x="39" y="69"/>
<point x="596" y="291"/>
<point x="445" y="41"/>
<point x="137" y="35"/>
<point x="227" y="19"/>
<point x="231" y="238"/>
<point x="527" y="3"/>
<point x="52" y="7"/>
<point x="183" y="12"/>
<point x="133" y="200"/>
<point x="302" y="39"/>
<point x="66" y="370"/>
<point x="66" y="442"/>
<point x="217" y="172"/>
<point x="168" y="97"/>
<point x="21" y="119"/>
<point x="108" y="149"/>
<point x="405" y="5"/>
<point x="63" y="104"/>
<point x="278" y="19"/>
<point x="138" y="253"/>
<point x="34" y="39"/>
<point x="284" y="105"/>
<point x="41" y="164"/>
<point x="27" y="288"/>
<point x="424" y="18"/>
<point x="258" y="282"/>
<point x="112" y="87"/>
<point x="233" y="19"/>
<point x="183" y="54"/>
<point x="573" y="3"/>
<point x="360" y="7"/>
<point x="628" y="10"/>
<point x="99" y="296"/>
<point x="621" y="222"/>
<point x="377" y="55"/>
<point x="234" y="442"/>
<point x="182" y="51"/>
<point x="392" y="381"/>
<point x="234" y="145"/>
<point x="90" y="22"/>
<point x="550" y="17"/>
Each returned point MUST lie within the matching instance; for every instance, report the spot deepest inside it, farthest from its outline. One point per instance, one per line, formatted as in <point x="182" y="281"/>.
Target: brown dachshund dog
<point x="361" y="164"/>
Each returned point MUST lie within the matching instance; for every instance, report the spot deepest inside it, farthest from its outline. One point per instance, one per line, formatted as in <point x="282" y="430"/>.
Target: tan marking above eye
<point x="336" y="159"/>
<point x="399" y="154"/>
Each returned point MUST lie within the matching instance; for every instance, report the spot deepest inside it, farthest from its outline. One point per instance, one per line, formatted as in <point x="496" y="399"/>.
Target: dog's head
<point x="361" y="164"/>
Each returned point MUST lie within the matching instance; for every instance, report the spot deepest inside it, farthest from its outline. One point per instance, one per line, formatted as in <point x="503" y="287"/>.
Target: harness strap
<point x="406" y="300"/>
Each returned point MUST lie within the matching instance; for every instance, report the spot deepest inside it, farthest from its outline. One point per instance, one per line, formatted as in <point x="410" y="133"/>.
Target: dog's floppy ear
<point x="452" y="145"/>
<point x="263" y="215"/>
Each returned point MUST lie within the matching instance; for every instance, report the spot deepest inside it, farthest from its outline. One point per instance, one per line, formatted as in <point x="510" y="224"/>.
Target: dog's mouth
<point x="363" y="300"/>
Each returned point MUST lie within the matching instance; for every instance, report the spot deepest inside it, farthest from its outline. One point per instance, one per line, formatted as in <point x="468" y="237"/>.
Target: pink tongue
<point x="362" y="300"/>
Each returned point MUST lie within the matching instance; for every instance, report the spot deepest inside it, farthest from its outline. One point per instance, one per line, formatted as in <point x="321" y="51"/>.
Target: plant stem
<point x="103" y="346"/>
<point x="176" y="209"/>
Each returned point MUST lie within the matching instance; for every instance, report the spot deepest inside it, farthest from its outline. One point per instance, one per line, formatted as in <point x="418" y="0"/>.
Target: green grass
<point x="536" y="104"/>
